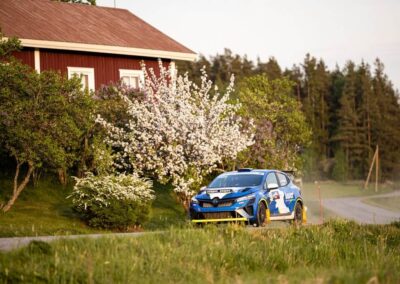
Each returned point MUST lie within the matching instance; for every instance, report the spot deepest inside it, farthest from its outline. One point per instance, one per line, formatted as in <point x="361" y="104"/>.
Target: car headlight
<point x="194" y="200"/>
<point x="245" y="198"/>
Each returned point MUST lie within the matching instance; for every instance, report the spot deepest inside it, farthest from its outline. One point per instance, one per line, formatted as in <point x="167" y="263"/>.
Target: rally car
<point x="254" y="196"/>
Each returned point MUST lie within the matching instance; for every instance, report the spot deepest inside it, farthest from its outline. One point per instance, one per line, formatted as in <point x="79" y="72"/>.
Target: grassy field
<point x="44" y="210"/>
<point x="336" y="252"/>
<point x="388" y="203"/>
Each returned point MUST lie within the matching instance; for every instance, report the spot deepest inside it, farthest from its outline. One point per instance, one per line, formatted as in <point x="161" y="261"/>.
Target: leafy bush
<point x="112" y="201"/>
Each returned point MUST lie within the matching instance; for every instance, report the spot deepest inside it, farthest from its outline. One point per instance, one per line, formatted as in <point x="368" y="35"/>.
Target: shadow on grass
<point x="166" y="210"/>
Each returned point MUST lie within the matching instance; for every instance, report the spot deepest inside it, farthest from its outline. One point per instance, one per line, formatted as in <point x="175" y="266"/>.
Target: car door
<point x="272" y="194"/>
<point x="287" y="202"/>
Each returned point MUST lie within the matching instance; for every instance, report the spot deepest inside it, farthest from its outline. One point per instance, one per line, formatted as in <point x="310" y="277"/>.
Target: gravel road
<point x="353" y="208"/>
<point x="7" y="244"/>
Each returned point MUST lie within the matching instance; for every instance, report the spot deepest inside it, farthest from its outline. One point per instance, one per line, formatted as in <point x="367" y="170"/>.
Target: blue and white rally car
<point x="255" y="196"/>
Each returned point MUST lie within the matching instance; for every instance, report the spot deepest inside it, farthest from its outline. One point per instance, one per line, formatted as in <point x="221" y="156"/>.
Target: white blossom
<point x="99" y="190"/>
<point x="179" y="131"/>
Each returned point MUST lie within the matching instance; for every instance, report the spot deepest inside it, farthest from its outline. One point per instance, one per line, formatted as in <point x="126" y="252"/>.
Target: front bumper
<point x="242" y="211"/>
<point x="220" y="220"/>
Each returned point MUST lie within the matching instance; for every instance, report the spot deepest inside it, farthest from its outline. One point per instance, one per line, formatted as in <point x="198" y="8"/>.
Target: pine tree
<point x="386" y="123"/>
<point x="348" y="132"/>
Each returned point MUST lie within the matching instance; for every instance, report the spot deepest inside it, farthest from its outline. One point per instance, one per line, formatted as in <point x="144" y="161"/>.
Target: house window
<point x="132" y="78"/>
<point x="86" y="75"/>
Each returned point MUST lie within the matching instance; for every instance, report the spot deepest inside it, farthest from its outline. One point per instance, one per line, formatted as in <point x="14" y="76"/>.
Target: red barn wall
<point x="106" y="66"/>
<point x="26" y="55"/>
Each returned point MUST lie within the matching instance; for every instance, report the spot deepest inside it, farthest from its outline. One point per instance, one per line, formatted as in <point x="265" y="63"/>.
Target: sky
<point x="334" y="30"/>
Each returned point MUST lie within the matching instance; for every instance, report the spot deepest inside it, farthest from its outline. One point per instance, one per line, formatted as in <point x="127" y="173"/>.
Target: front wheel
<point x="261" y="215"/>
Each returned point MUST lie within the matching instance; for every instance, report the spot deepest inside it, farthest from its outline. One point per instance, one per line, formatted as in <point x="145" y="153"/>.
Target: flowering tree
<point x="178" y="131"/>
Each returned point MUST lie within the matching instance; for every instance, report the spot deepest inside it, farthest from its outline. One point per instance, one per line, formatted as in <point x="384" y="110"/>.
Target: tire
<point x="298" y="214"/>
<point x="261" y="215"/>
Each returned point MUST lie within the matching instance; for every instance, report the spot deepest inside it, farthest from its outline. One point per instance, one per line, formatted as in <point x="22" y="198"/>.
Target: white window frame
<point x="133" y="73"/>
<point x="84" y="71"/>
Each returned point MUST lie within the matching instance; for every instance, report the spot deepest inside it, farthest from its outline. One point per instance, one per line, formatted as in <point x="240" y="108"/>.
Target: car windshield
<point x="238" y="180"/>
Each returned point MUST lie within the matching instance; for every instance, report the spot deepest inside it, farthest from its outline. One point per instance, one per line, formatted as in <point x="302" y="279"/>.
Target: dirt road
<point x="354" y="209"/>
<point x="7" y="244"/>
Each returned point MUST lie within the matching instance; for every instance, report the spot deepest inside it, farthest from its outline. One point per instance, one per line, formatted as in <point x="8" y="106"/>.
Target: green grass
<point x="44" y="210"/>
<point x="389" y="203"/>
<point x="41" y="210"/>
<point x="166" y="211"/>
<point x="336" y="252"/>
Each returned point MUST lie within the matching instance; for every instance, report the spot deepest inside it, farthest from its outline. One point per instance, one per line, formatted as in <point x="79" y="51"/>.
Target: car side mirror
<point x="272" y="186"/>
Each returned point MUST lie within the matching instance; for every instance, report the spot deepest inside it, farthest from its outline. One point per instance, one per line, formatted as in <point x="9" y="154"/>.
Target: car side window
<point x="283" y="180"/>
<point x="271" y="178"/>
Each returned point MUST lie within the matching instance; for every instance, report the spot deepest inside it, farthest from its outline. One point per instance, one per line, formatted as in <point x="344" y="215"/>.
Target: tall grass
<point x="336" y="252"/>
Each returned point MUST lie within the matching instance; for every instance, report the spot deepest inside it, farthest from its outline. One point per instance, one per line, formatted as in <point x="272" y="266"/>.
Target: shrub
<point x="112" y="201"/>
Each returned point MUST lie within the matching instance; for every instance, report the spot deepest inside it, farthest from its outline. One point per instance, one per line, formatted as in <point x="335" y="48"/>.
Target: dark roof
<point x="78" y="23"/>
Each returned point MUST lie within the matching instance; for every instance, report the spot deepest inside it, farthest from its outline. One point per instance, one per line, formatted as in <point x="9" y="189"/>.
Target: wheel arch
<point x="263" y="200"/>
<point x="299" y="200"/>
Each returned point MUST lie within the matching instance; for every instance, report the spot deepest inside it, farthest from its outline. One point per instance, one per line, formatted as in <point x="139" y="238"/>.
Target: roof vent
<point x="245" y="170"/>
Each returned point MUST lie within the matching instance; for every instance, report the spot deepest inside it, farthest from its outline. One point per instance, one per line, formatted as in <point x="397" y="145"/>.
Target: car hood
<point x="225" y="192"/>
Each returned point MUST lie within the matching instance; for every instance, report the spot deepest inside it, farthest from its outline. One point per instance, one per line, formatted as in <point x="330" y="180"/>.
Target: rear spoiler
<point x="291" y="174"/>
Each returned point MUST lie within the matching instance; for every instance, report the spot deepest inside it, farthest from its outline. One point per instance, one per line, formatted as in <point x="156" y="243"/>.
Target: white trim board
<point x="37" y="59"/>
<point x="132" y="73"/>
<point x="85" y="71"/>
<point x="107" y="49"/>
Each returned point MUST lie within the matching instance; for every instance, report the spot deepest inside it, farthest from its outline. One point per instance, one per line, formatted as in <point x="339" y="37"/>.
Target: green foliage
<point x="43" y="210"/>
<point x="44" y="118"/>
<point x="347" y="108"/>
<point x="310" y="164"/>
<point x="117" y="215"/>
<point x="340" y="170"/>
<point x="336" y="252"/>
<point x="8" y="46"/>
<point x="39" y="247"/>
<point x="281" y="130"/>
<point x="113" y="201"/>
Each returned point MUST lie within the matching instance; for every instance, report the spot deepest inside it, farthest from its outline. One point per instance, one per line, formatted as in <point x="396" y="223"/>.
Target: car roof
<point x="251" y="171"/>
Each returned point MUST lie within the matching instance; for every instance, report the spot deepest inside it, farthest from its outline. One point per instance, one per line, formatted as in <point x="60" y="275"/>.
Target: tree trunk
<point x="18" y="188"/>
<point x="62" y="176"/>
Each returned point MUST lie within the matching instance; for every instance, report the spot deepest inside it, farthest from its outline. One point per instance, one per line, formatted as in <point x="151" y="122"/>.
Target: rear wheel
<point x="261" y="215"/>
<point x="298" y="214"/>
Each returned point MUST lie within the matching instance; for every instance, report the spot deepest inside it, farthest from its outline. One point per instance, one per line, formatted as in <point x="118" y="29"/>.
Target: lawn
<point x="389" y="203"/>
<point x="336" y="252"/>
<point x="41" y="210"/>
<point x="45" y="210"/>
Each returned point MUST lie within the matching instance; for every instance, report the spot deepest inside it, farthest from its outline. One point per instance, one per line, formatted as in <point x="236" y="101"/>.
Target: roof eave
<point x="173" y="55"/>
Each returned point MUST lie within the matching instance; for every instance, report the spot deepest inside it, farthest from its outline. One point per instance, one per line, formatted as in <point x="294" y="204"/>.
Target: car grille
<point x="220" y="204"/>
<point x="218" y="215"/>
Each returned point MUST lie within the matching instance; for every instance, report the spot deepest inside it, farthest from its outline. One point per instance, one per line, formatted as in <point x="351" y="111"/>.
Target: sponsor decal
<point x="222" y="190"/>
<point x="278" y="197"/>
<point x="289" y="195"/>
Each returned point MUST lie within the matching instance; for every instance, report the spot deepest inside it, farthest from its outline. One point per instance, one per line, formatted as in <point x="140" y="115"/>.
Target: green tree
<point x="40" y="125"/>
<point x="340" y="170"/>
<point x="281" y="129"/>
<point x="349" y="134"/>
<point x="385" y="122"/>
<point x="271" y="68"/>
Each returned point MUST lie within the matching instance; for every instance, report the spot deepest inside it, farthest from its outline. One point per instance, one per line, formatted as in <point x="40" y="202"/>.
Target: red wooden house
<point x="100" y="44"/>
